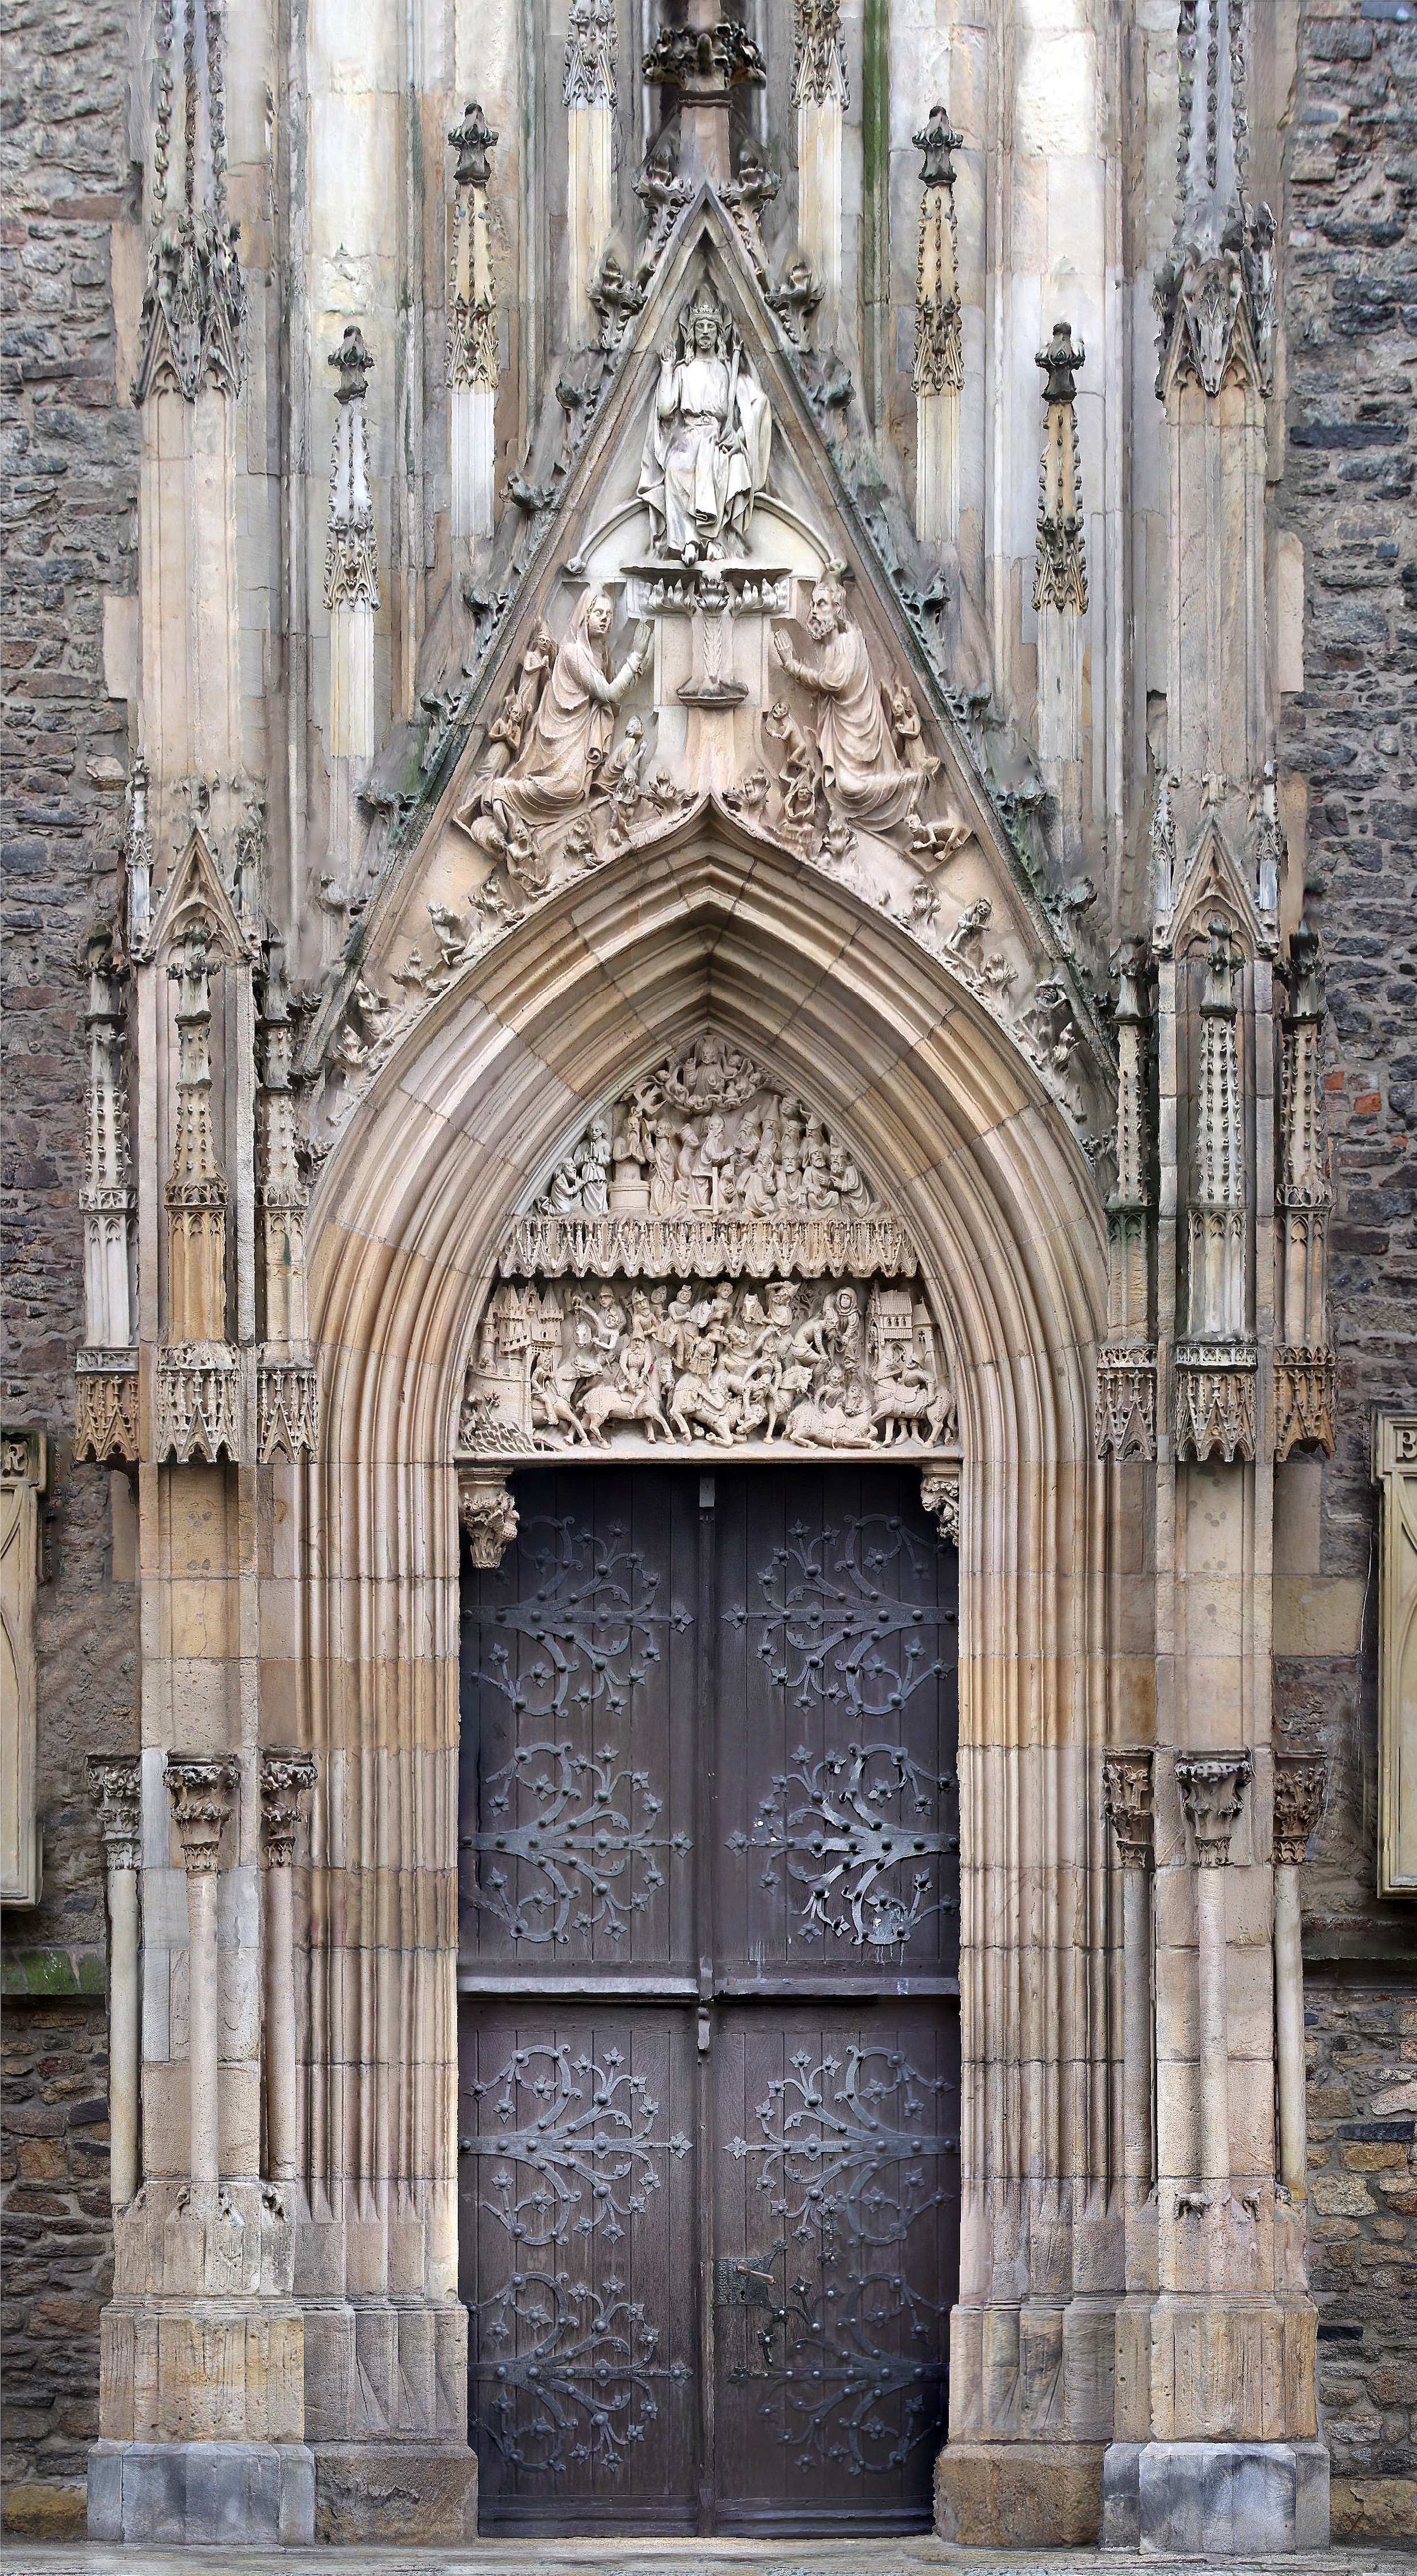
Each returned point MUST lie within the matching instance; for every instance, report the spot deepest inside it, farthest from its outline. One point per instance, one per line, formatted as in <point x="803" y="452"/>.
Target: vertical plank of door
<point x="705" y="1881"/>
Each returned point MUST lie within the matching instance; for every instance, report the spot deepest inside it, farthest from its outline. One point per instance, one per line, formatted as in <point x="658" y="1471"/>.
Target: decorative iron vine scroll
<point x="581" y="1824"/>
<point x="858" y="1828"/>
<point x="840" y="2175"/>
<point x="570" y="2370"/>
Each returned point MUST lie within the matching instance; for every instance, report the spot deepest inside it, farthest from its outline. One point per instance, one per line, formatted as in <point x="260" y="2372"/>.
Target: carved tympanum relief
<point x="708" y="1263"/>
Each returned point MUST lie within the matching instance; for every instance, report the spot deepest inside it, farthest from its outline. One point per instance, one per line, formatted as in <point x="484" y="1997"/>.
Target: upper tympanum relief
<point x="705" y="633"/>
<point x="706" y="1263"/>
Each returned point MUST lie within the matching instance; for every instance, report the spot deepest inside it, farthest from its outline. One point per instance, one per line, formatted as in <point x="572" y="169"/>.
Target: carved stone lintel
<point x="1127" y="1804"/>
<point x="286" y="1781"/>
<point x="116" y="1782"/>
<point x="488" y="1514"/>
<point x="1212" y="1787"/>
<point x="1298" y="1804"/>
<point x="106" y="1409"/>
<point x="196" y="1402"/>
<point x="1305" y="1401"/>
<point x="287" y="1409"/>
<point x="1216" y="1400"/>
<point x="1125" y="1414"/>
<point x="939" y="1496"/>
<point x="203" y="1789"/>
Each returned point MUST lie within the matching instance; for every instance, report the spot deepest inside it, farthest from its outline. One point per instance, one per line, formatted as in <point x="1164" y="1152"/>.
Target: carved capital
<point x="1127" y="1804"/>
<point x="1215" y="1400"/>
<point x="203" y="1789"/>
<point x="488" y="1514"/>
<point x="1305" y="1400"/>
<point x="1212" y="1787"/>
<point x="106" y="1409"/>
<point x="939" y="1495"/>
<point x="1125" y="1412"/>
<point x="116" y="1783"/>
<point x="286" y="1781"/>
<point x="1298" y="1804"/>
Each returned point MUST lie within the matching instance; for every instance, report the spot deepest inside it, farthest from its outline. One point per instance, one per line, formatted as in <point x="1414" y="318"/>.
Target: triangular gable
<point x="813" y="524"/>
<point x="195" y="888"/>
<point x="1212" y="887"/>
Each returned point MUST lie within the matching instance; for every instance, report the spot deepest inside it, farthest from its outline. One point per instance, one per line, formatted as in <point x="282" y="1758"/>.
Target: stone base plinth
<point x="202" y="2494"/>
<point x="1215" y="2499"/>
<point x="394" y="2491"/>
<point x="1035" y="2494"/>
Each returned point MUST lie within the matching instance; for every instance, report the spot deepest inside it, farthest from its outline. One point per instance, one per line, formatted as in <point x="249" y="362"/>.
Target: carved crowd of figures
<point x="821" y="1365"/>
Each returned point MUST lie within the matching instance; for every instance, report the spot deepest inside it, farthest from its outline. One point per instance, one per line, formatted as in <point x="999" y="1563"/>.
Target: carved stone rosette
<point x="488" y="1514"/>
<point x="203" y="1790"/>
<point x="286" y="1782"/>
<point x="1212" y="1787"/>
<point x="1127" y="1805"/>
<point x="116" y="1783"/>
<point x="939" y="1496"/>
<point x="1298" y="1804"/>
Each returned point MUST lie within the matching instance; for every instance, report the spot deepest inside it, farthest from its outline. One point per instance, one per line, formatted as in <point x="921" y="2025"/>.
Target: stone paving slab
<point x="665" y="2558"/>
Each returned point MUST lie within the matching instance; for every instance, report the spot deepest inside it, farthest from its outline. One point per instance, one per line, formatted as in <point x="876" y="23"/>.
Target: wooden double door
<point x="709" y="2106"/>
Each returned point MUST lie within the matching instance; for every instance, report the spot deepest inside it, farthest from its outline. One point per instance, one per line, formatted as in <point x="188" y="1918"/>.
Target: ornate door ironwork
<point x="709" y="1912"/>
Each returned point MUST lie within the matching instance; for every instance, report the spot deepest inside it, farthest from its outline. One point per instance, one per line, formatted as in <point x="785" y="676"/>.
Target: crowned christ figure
<point x="706" y="449"/>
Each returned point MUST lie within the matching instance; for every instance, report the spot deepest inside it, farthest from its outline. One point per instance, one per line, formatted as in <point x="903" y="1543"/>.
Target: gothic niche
<point x="707" y="1264"/>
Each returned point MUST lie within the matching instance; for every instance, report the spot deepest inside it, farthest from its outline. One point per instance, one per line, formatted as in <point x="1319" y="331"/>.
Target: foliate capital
<point x="1298" y="1804"/>
<point x="203" y="1789"/>
<point x="286" y="1781"/>
<point x="116" y="1783"/>
<point x="1212" y="1787"/>
<point x="1127" y="1804"/>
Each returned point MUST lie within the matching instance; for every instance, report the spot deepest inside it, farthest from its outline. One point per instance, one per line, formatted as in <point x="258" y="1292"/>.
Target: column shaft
<point x="202" y="2023"/>
<point x="123" y="2036"/>
<point x="1289" y="2014"/>
<point x="281" y="2137"/>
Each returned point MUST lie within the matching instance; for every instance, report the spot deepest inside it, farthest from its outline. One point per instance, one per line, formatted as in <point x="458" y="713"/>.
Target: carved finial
<point x="1215" y="294"/>
<point x="473" y="141"/>
<point x="1127" y="1805"/>
<point x="354" y="365"/>
<point x="116" y="1782"/>
<point x="936" y="141"/>
<point x="819" y="62"/>
<point x="1060" y="362"/>
<point x="192" y="328"/>
<point x="1212" y="1787"/>
<point x="590" y="54"/>
<point x="203" y="1790"/>
<point x="286" y="1781"/>
<point x="1298" y="1804"/>
<point x="351" y="564"/>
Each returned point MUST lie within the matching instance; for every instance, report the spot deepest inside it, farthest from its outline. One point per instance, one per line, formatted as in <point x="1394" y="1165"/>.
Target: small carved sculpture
<point x="862" y="778"/>
<point x="709" y="438"/>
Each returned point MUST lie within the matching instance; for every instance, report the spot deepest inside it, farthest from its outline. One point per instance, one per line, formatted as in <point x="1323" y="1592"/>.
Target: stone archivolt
<point x="796" y="1313"/>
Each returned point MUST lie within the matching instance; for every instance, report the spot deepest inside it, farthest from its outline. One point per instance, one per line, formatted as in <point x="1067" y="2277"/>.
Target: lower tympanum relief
<point x="707" y="1263"/>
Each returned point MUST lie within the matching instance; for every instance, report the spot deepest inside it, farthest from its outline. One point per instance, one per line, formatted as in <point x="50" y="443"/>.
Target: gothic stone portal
<point x="709" y="2114"/>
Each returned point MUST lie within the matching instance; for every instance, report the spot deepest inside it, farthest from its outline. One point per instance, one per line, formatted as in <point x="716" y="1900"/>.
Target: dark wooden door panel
<point x="579" y="2185"/>
<point x="836" y="2228"/>
<point x="837" y="1652"/>
<point x="579" y="1666"/>
<point x="709" y="2105"/>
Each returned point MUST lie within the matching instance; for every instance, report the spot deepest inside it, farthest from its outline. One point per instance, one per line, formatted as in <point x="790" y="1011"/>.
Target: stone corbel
<point x="115" y="1780"/>
<point x="939" y="1496"/>
<point x="106" y="1430"/>
<point x="1216" y="1406"/>
<point x="488" y="1514"/>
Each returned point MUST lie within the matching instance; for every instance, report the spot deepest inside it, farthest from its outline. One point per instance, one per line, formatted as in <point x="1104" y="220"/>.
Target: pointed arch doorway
<point x="708" y="1961"/>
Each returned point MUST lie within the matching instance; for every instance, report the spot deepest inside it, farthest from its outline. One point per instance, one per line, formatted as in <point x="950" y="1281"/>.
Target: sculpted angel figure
<point x="569" y="733"/>
<point x="864" y="778"/>
<point x="710" y="432"/>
